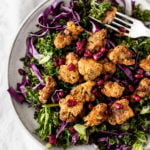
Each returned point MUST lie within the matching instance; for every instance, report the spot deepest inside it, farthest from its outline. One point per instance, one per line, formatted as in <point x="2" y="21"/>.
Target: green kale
<point x="98" y="9"/>
<point x="143" y="15"/>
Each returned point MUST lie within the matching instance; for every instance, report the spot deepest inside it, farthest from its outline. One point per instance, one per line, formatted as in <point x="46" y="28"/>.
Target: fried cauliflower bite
<point x="120" y="111"/>
<point x="70" y="113"/>
<point x="65" y="74"/>
<point x="112" y="89"/>
<point x="70" y="33"/>
<point x="83" y="92"/>
<point x="143" y="88"/>
<point x="145" y="63"/>
<point x="121" y="55"/>
<point x="97" y="115"/>
<point x="110" y="15"/>
<point x="89" y="68"/>
<point x="47" y="90"/>
<point x="108" y="66"/>
<point x="97" y="40"/>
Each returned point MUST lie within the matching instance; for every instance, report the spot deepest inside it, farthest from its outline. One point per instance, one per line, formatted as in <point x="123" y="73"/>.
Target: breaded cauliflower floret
<point x="65" y="74"/>
<point x="69" y="113"/>
<point x="89" y="68"/>
<point x="47" y="90"/>
<point x="97" y="40"/>
<point x="83" y="92"/>
<point x="120" y="111"/>
<point x="110" y="15"/>
<point x="143" y="89"/>
<point x="112" y="89"/>
<point x="97" y="115"/>
<point x="121" y="55"/>
<point x="145" y="63"/>
<point x="108" y="66"/>
<point x="70" y="33"/>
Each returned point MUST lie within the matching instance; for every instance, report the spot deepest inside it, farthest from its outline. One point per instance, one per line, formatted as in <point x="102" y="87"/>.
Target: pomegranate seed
<point x="97" y="56"/>
<point x="94" y="90"/>
<point x="71" y="102"/>
<point x="90" y="106"/>
<point x="118" y="106"/>
<point x="103" y="50"/>
<point x="71" y="129"/>
<point x="55" y="64"/>
<point x="61" y="94"/>
<point x="107" y="77"/>
<point x="137" y="98"/>
<point x="87" y="54"/>
<point x="131" y="88"/>
<point x="71" y="67"/>
<point x="52" y="139"/>
<point x="138" y="76"/>
<point x="140" y="71"/>
<point x="61" y="61"/>
<point x="122" y="29"/>
<point x="21" y="72"/>
<point x="100" y="82"/>
<point x="125" y="97"/>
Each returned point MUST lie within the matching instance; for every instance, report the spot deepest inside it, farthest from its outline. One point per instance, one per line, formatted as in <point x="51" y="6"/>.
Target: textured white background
<point x="12" y="133"/>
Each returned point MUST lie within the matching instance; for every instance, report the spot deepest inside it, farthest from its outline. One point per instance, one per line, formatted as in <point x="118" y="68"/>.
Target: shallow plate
<point x="25" y="113"/>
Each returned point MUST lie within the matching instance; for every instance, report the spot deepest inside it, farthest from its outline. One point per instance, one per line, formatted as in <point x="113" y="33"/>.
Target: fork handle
<point x="146" y="32"/>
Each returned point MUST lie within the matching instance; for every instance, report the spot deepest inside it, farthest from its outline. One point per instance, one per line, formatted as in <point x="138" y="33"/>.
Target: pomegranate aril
<point x="71" y="129"/>
<point x="107" y="77"/>
<point x="100" y="82"/>
<point x="71" y="102"/>
<point x="52" y="139"/>
<point x="137" y="98"/>
<point x="97" y="56"/>
<point x="87" y="54"/>
<point x="55" y="64"/>
<point x="61" y="94"/>
<point x="61" y="61"/>
<point x="125" y="97"/>
<point x="131" y="88"/>
<point x="118" y="106"/>
<point x="103" y="50"/>
<point x="138" y="76"/>
<point x="21" y="72"/>
<point x="90" y="106"/>
<point x="122" y="29"/>
<point x="140" y="71"/>
<point x="71" y="67"/>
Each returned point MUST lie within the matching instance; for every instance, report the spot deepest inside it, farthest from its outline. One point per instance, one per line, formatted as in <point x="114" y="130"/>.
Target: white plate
<point x="18" y="51"/>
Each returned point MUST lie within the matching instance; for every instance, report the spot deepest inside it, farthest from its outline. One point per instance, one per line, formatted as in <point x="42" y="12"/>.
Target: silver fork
<point x="132" y="27"/>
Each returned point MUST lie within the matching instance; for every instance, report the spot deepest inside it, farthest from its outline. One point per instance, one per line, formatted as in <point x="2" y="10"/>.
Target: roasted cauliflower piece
<point x="69" y="112"/>
<point x="121" y="55"/>
<point x="145" y="63"/>
<point x="108" y="66"/>
<point x="112" y="89"/>
<point x="143" y="89"/>
<point x="89" y="68"/>
<point x="83" y="92"/>
<point x="70" y="33"/>
<point x="120" y="111"/>
<point x="110" y="15"/>
<point x="69" y="76"/>
<point x="97" y="115"/>
<point x="47" y="90"/>
<point x="97" y="40"/>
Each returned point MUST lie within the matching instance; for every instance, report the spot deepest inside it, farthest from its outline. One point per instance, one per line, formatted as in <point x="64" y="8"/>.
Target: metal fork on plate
<point x="132" y="27"/>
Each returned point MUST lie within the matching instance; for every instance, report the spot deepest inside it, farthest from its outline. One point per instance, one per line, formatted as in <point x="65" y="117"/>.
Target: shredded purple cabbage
<point x="95" y="26"/>
<point x="133" y="5"/>
<point x="63" y="125"/>
<point x="124" y="3"/>
<point x="31" y="51"/>
<point x="39" y="33"/>
<point x="55" y="96"/>
<point x="127" y="72"/>
<point x="17" y="96"/>
<point x="37" y="73"/>
<point x="75" y="138"/>
<point x="122" y="147"/>
<point x="110" y="44"/>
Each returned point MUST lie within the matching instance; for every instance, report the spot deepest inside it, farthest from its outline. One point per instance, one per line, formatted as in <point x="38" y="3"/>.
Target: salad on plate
<point x="87" y="83"/>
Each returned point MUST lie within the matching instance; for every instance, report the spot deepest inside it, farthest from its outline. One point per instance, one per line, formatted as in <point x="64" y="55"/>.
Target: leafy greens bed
<point x="44" y="59"/>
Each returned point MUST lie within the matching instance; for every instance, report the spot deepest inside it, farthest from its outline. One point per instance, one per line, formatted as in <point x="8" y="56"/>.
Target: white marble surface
<point x="13" y="136"/>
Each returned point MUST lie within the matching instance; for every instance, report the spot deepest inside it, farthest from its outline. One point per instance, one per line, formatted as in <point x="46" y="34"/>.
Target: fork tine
<point x="124" y="16"/>
<point x="119" y="25"/>
<point x="122" y="21"/>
